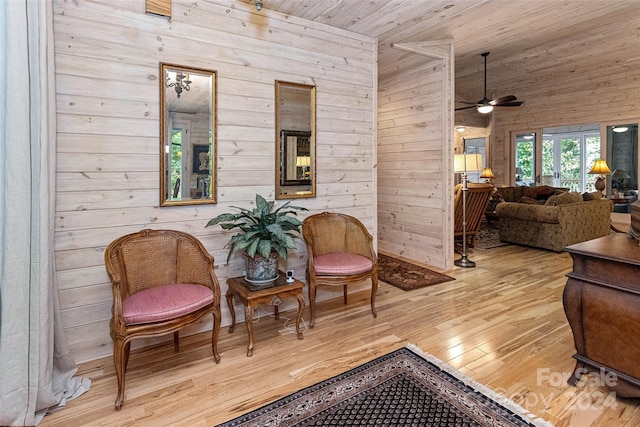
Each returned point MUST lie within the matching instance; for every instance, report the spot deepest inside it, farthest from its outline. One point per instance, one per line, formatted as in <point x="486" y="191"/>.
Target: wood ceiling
<point x="523" y="36"/>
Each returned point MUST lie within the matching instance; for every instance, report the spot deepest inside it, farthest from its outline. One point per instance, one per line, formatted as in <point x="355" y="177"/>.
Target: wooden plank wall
<point x="413" y="142"/>
<point x="107" y="63"/>
<point x="563" y="92"/>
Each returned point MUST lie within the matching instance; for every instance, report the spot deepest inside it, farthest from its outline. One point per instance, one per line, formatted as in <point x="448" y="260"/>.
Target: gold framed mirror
<point x="188" y="159"/>
<point x="295" y="140"/>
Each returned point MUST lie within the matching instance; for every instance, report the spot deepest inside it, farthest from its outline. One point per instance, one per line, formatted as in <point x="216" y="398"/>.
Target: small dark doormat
<point x="407" y="276"/>
<point x="404" y="388"/>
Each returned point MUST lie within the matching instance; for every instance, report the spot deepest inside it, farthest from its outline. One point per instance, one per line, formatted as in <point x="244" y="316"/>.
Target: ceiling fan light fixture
<point x="485" y="108"/>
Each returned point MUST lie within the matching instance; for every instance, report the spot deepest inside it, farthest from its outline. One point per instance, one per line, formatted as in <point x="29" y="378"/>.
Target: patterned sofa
<point x="564" y="218"/>
<point x="541" y="192"/>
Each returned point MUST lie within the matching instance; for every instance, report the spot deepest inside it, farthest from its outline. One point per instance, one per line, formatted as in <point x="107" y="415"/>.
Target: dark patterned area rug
<point x="488" y="236"/>
<point x="404" y="388"/>
<point x="407" y="276"/>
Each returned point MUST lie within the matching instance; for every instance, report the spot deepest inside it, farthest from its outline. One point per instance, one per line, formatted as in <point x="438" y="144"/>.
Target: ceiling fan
<point x="485" y="105"/>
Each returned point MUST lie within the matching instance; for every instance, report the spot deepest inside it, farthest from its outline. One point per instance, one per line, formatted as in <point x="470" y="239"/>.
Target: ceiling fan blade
<point x="466" y="108"/>
<point x="510" y="104"/>
<point x="505" y="104"/>
<point x="503" y="100"/>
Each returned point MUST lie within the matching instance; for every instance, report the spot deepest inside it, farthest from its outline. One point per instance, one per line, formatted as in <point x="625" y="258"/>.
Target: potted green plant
<point x="264" y="234"/>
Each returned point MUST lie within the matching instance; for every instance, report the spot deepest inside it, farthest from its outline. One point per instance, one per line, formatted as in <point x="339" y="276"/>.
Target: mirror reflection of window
<point x="179" y="134"/>
<point x="188" y="141"/>
<point x="175" y="156"/>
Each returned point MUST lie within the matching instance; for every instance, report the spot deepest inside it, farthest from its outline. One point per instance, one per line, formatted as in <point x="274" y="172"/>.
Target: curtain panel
<point x="37" y="372"/>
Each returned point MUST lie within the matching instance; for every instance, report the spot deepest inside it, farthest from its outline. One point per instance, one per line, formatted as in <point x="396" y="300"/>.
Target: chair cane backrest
<point x="478" y="196"/>
<point x="153" y="258"/>
<point x="336" y="233"/>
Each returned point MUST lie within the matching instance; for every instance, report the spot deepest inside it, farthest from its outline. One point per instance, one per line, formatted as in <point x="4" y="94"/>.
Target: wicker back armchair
<point x="340" y="252"/>
<point x="478" y="196"/>
<point x="162" y="281"/>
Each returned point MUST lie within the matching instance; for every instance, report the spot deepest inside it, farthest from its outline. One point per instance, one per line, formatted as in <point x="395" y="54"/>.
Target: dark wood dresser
<point x="602" y="303"/>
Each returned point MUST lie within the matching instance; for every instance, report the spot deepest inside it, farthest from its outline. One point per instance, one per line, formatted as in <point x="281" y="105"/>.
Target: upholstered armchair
<point x="340" y="252"/>
<point x="162" y="281"/>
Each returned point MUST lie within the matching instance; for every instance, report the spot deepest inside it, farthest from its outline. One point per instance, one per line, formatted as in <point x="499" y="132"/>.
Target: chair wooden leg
<point x="374" y="291"/>
<point x="120" y="359"/>
<point x="312" y="303"/>
<point x="176" y="341"/>
<point x="344" y="294"/>
<point x="214" y="336"/>
<point x="127" y="350"/>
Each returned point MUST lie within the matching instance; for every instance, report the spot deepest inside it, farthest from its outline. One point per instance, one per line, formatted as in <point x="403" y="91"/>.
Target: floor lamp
<point x="464" y="163"/>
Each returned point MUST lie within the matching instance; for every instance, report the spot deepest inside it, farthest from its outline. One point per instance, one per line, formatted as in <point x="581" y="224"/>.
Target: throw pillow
<point x="594" y="195"/>
<point x="564" y="198"/>
<point x="542" y="192"/>
<point x="571" y="197"/>
<point x="530" y="201"/>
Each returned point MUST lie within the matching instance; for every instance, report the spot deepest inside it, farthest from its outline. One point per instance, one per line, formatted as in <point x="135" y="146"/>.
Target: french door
<point x="567" y="159"/>
<point x="527" y="154"/>
<point x="561" y="162"/>
<point x="556" y="159"/>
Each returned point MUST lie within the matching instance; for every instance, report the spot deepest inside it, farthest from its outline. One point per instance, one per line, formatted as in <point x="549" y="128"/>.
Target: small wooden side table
<point x="252" y="295"/>
<point x="622" y="204"/>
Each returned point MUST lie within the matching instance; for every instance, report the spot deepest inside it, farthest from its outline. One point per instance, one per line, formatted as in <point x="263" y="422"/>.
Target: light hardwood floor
<point x="502" y="323"/>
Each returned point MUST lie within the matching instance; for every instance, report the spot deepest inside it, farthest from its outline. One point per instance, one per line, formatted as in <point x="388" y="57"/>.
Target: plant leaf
<point x="229" y="226"/>
<point x="262" y="207"/>
<point x="282" y="252"/>
<point x="251" y="250"/>
<point x="276" y="231"/>
<point x="221" y="218"/>
<point x="288" y="242"/>
<point x="264" y="248"/>
<point x="291" y="220"/>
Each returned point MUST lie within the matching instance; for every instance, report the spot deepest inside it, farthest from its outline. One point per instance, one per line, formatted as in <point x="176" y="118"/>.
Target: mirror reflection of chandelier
<point x="182" y="82"/>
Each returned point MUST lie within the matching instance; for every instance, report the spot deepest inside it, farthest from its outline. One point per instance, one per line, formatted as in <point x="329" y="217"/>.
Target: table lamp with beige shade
<point x="600" y="168"/>
<point x="487" y="174"/>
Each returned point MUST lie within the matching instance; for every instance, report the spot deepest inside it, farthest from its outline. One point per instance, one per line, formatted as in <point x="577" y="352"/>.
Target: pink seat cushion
<point x="165" y="303"/>
<point x="341" y="264"/>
